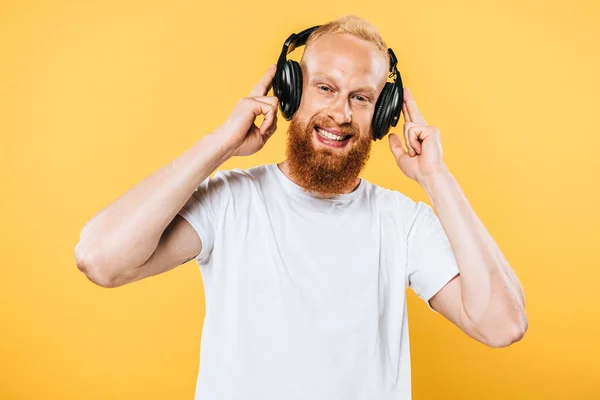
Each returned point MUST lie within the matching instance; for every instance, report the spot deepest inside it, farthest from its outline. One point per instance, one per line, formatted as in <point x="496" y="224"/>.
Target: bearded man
<point x="305" y="264"/>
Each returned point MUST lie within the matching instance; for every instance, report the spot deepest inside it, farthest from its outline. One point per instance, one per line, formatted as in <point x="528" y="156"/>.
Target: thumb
<point x="396" y="145"/>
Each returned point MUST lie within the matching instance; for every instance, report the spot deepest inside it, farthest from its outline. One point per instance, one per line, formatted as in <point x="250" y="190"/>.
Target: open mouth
<point x="330" y="139"/>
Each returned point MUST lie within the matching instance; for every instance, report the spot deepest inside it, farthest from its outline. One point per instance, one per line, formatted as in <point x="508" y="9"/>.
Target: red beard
<point x="325" y="172"/>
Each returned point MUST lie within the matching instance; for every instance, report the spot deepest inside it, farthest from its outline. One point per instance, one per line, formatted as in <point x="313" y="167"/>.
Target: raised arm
<point x="139" y="235"/>
<point x="125" y="234"/>
<point x="486" y="299"/>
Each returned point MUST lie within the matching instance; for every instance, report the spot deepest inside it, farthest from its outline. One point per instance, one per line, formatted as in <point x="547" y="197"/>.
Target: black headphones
<point x="287" y="86"/>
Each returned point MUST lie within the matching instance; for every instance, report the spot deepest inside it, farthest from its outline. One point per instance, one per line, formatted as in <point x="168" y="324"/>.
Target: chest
<point x="315" y="262"/>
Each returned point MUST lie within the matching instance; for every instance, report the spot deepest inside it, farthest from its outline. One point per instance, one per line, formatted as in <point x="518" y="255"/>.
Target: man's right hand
<point x="239" y="132"/>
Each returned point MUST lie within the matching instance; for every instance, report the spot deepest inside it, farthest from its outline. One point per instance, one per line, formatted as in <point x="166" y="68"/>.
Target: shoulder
<point x="235" y="185"/>
<point x="238" y="178"/>
<point x="390" y="198"/>
<point x="397" y="205"/>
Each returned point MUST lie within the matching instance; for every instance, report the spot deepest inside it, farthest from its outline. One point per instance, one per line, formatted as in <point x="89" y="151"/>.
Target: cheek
<point x="365" y="125"/>
<point x="311" y="103"/>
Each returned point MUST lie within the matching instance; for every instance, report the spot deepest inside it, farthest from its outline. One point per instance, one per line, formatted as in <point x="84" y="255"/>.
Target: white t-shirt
<point x="306" y="297"/>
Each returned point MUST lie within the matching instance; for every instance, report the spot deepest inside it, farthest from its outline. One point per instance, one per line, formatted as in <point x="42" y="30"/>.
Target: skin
<point x="139" y="235"/>
<point x="342" y="79"/>
<point x="485" y="300"/>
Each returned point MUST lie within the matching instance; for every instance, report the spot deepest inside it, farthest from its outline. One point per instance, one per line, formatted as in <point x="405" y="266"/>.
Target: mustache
<point x="346" y="129"/>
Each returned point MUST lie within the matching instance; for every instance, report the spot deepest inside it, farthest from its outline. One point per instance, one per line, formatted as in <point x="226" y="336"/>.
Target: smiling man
<point x="305" y="264"/>
<point x="330" y="136"/>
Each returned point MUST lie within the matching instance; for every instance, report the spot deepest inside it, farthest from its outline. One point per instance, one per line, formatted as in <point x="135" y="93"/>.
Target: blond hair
<point x="352" y="25"/>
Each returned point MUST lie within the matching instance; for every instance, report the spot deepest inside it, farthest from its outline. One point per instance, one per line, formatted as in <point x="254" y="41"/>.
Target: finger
<point x="269" y="120"/>
<point x="396" y="146"/>
<point x="430" y="131"/>
<point x="405" y="112"/>
<point x="269" y="124"/>
<point x="407" y="126"/>
<point x="413" y="110"/>
<point x="264" y="85"/>
<point x="272" y="127"/>
<point x="414" y="134"/>
<point x="259" y="107"/>
<point x="274" y="101"/>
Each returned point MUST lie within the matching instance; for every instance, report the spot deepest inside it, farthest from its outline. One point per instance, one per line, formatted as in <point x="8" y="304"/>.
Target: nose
<point x="340" y="111"/>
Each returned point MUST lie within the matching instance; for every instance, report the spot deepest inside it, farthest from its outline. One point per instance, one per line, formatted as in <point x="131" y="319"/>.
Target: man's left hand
<point x="424" y="155"/>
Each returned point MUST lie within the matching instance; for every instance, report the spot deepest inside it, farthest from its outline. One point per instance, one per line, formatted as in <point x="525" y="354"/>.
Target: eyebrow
<point x="366" y="89"/>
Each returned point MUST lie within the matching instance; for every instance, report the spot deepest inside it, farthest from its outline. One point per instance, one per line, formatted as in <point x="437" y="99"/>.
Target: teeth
<point x="328" y="135"/>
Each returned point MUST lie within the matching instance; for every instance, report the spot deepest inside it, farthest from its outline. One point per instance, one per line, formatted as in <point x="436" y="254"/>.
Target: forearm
<point x="491" y="292"/>
<point x="125" y="234"/>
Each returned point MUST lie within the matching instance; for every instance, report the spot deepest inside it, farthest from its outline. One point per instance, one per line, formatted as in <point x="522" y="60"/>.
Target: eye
<point x="324" y="87"/>
<point x="364" y="99"/>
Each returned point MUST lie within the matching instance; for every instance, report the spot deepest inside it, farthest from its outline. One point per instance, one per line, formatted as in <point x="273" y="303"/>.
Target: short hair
<point x="355" y="26"/>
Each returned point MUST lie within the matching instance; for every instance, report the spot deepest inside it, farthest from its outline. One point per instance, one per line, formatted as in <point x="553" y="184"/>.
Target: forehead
<point x="346" y="58"/>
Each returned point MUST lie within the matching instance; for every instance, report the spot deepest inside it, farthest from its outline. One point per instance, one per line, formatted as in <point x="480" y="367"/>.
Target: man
<point x="305" y="264"/>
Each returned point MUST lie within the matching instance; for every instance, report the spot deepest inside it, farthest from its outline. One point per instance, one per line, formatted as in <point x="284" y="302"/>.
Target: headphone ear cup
<point x="296" y="85"/>
<point x="382" y="112"/>
<point x="285" y="88"/>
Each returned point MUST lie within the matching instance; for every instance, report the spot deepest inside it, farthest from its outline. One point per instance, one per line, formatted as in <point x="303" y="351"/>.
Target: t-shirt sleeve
<point x="430" y="261"/>
<point x="205" y="209"/>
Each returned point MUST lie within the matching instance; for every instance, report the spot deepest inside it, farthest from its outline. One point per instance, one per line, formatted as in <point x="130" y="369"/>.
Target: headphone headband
<point x="299" y="39"/>
<point x="295" y="40"/>
<point x="397" y="84"/>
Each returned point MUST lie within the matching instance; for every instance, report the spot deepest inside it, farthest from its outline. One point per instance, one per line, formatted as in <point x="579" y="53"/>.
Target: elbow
<point x="511" y="332"/>
<point x="94" y="268"/>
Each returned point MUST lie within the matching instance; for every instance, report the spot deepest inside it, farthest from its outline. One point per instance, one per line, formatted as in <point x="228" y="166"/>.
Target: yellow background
<point x="96" y="95"/>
